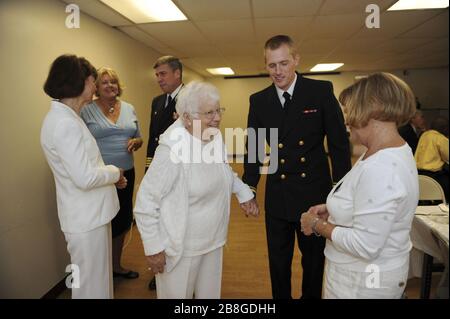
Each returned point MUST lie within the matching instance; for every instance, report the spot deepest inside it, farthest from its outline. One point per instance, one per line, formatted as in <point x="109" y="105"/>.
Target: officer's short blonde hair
<point x="380" y="96"/>
<point x="277" y="41"/>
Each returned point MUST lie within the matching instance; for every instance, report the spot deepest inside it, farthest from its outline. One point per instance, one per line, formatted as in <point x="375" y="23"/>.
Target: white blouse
<point x="207" y="224"/>
<point x="373" y="207"/>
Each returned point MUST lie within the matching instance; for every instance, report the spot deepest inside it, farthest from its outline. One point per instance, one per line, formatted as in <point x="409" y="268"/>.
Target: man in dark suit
<point x="411" y="132"/>
<point x="169" y="74"/>
<point x="304" y="111"/>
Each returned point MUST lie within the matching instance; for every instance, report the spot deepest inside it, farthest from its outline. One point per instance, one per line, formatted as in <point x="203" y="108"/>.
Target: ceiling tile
<point x="192" y="51"/>
<point x="210" y="62"/>
<point x="141" y="36"/>
<point x="394" y="23"/>
<point x="228" y="31"/>
<point x="175" y="33"/>
<point x="339" y="7"/>
<point x="318" y="46"/>
<point x="207" y="10"/>
<point x="249" y="61"/>
<point x="336" y="26"/>
<point x="297" y="28"/>
<point x="356" y="57"/>
<point x="195" y="66"/>
<point x="400" y="45"/>
<point x="359" y="45"/>
<point x="286" y="8"/>
<point x="242" y="49"/>
<point x="435" y="46"/>
<point x="434" y="28"/>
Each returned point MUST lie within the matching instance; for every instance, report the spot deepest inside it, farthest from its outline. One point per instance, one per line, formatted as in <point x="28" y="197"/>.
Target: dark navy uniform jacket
<point x="303" y="177"/>
<point x="161" y="118"/>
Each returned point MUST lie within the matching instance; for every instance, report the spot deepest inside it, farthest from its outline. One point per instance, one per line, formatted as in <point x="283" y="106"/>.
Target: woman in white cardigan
<point x="368" y="214"/>
<point x="183" y="203"/>
<point x="85" y="192"/>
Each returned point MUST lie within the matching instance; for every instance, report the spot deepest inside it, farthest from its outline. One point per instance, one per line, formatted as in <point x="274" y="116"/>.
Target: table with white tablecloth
<point x="430" y="239"/>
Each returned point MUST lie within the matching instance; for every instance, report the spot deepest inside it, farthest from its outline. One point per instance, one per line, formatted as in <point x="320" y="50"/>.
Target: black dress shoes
<point x="127" y="275"/>
<point x="152" y="284"/>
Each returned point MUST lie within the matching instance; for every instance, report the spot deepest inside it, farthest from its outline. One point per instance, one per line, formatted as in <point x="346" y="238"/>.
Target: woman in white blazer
<point x="183" y="204"/>
<point x="85" y="191"/>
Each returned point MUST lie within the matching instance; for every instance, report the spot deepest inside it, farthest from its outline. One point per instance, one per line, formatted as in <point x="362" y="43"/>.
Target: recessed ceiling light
<point x="323" y="67"/>
<point x="147" y="11"/>
<point x="418" y="4"/>
<point x="221" y="71"/>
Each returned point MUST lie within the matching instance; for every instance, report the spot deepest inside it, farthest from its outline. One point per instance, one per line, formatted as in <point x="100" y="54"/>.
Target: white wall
<point x="429" y="85"/>
<point x="32" y="34"/>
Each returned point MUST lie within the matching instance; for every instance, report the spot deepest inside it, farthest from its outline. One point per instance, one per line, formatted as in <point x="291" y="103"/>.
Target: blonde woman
<point x="368" y="214"/>
<point x="114" y="125"/>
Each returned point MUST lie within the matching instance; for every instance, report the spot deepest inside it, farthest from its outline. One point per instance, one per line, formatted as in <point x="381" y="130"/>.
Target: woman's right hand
<point x="320" y="210"/>
<point x="157" y="262"/>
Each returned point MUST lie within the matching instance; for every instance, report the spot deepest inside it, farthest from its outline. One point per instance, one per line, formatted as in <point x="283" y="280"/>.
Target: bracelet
<point x="324" y="222"/>
<point x="313" y="226"/>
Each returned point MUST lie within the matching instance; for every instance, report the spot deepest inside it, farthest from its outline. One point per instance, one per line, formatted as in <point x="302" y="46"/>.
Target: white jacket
<point x="161" y="207"/>
<point x="85" y="191"/>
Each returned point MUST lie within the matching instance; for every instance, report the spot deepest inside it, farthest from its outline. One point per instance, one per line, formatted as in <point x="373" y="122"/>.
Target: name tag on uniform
<point x="307" y="111"/>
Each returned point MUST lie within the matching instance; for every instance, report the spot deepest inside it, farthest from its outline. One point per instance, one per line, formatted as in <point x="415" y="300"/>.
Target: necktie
<point x="169" y="100"/>
<point x="287" y="100"/>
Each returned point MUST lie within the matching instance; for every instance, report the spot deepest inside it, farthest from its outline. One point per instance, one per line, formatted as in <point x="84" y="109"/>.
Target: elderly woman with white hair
<point x="183" y="203"/>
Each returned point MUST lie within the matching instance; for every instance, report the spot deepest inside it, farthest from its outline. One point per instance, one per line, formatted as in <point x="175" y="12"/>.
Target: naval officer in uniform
<point x="169" y="74"/>
<point x="304" y="111"/>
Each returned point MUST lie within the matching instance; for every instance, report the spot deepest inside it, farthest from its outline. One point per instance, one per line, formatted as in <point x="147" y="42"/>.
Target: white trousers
<point x="199" y="276"/>
<point x="92" y="253"/>
<point x="342" y="283"/>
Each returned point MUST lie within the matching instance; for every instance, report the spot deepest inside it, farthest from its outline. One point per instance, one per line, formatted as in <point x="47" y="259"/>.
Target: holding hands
<point x="309" y="219"/>
<point x="250" y="208"/>
<point x="122" y="182"/>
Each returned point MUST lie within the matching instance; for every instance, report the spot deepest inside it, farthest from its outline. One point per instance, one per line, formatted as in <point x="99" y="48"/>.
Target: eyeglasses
<point x="211" y="114"/>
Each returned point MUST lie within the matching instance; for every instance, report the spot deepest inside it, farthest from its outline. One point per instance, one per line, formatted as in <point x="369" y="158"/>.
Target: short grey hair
<point x="195" y="94"/>
<point x="173" y="62"/>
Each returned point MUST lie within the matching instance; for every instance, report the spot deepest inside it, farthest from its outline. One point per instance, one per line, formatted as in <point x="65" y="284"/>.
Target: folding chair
<point x="429" y="191"/>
